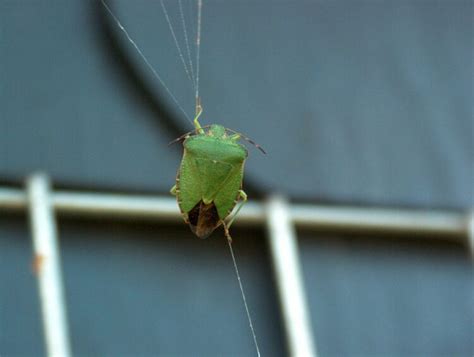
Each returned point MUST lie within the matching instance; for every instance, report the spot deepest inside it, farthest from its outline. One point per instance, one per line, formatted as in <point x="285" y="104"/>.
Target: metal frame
<point x="286" y="264"/>
<point x="47" y="266"/>
<point x="422" y="223"/>
<point x="280" y="217"/>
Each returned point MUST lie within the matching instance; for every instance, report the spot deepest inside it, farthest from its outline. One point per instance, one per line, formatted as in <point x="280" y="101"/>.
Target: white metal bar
<point x="286" y="263"/>
<point x="47" y="266"/>
<point x="441" y="224"/>
<point x="400" y="221"/>
<point x="470" y="226"/>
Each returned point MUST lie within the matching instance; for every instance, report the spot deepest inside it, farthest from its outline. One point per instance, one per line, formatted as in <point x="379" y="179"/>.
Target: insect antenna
<point x="246" y="138"/>
<point x="180" y="138"/>
<point x="184" y="136"/>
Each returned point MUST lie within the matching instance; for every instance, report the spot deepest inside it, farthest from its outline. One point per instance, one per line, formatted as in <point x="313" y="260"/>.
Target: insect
<point x="209" y="180"/>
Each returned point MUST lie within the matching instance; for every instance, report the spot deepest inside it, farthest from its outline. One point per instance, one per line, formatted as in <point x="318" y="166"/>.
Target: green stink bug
<point x="209" y="180"/>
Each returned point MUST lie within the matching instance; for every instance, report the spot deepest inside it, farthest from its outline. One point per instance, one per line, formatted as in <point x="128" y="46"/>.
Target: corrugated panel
<point x="354" y="101"/>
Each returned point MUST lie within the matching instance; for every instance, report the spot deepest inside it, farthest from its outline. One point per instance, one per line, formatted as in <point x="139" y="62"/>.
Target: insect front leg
<point x="197" y="125"/>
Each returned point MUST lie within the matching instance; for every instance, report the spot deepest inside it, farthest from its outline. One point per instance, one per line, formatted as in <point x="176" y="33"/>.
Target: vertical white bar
<point x="470" y="233"/>
<point x="47" y="266"/>
<point x="286" y="263"/>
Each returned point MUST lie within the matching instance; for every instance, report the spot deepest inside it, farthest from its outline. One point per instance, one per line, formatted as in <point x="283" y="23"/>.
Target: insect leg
<point x="226" y="232"/>
<point x="173" y="190"/>
<point x="243" y="195"/>
<point x="197" y="125"/>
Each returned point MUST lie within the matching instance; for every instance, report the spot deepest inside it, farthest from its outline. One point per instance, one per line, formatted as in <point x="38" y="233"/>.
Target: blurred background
<point x="367" y="104"/>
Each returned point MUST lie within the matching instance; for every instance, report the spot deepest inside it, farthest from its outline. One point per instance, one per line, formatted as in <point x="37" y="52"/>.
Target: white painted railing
<point x="277" y="214"/>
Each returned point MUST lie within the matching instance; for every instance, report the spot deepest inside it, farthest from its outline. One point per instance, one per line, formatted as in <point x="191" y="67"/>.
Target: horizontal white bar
<point x="444" y="224"/>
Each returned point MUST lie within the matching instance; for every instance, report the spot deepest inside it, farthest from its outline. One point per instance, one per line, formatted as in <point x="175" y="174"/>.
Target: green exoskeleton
<point x="209" y="180"/>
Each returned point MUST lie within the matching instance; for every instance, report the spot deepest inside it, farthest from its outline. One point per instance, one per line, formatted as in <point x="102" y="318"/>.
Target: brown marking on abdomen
<point x="203" y="219"/>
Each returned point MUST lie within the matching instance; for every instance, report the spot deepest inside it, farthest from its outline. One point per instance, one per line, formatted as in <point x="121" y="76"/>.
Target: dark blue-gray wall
<point x="356" y="102"/>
